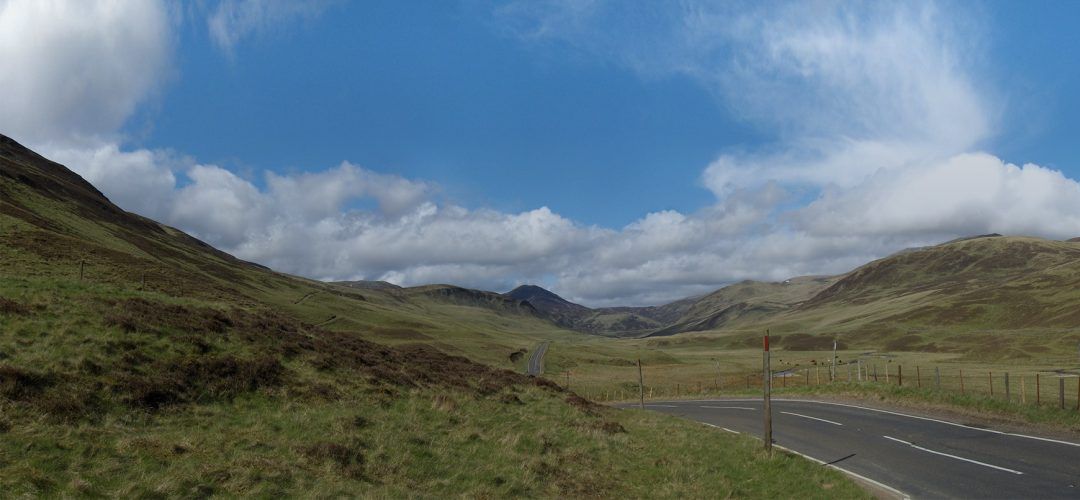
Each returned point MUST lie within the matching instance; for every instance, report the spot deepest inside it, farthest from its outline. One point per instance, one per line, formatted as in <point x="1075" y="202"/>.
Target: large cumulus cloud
<point x="877" y="113"/>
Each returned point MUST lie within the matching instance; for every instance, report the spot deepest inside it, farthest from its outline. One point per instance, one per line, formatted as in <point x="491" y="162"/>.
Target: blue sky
<point x="618" y="154"/>
<point x="435" y="90"/>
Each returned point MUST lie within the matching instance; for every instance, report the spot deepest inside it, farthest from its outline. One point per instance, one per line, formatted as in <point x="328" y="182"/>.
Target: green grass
<point x="424" y="442"/>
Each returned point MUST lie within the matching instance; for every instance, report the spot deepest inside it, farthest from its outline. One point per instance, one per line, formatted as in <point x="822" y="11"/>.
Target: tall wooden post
<point x="82" y="264"/>
<point x="961" y="381"/>
<point x="1061" y="392"/>
<point x="918" y="378"/>
<point x="990" y="376"/>
<point x="900" y="375"/>
<point x="1008" y="394"/>
<point x="1023" y="389"/>
<point x="832" y="371"/>
<point x="719" y="376"/>
<point x="1038" y="391"/>
<point x="937" y="378"/>
<point x="767" y="385"/>
<point x="641" y="384"/>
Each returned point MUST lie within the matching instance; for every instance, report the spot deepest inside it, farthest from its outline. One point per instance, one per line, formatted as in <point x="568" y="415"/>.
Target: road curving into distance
<point x="535" y="367"/>
<point x="907" y="455"/>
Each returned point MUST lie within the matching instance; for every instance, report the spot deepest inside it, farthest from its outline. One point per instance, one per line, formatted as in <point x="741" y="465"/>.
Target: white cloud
<point x="77" y="70"/>
<point x="140" y="181"/>
<point x="876" y="110"/>
<point x="234" y="20"/>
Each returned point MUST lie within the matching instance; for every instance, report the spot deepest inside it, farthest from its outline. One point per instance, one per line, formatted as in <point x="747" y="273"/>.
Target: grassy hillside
<point x="138" y="361"/>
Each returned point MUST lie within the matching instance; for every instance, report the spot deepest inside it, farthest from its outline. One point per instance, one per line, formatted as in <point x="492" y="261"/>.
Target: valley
<point x="117" y="326"/>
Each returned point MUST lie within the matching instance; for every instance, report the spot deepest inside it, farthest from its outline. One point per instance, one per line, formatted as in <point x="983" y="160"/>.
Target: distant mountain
<point x="746" y="301"/>
<point x="456" y="295"/>
<point x="557" y="309"/>
<point x="740" y="301"/>
<point x="988" y="281"/>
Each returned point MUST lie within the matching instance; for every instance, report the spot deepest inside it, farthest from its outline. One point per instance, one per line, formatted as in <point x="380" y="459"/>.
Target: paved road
<point x="536" y="360"/>
<point x="920" y="457"/>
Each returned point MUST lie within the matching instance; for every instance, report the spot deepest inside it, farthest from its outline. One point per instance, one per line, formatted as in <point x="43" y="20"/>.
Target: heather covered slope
<point x="993" y="297"/>
<point x="137" y="361"/>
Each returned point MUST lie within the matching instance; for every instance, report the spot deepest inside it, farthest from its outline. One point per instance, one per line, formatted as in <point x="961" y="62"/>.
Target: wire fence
<point x="1059" y="389"/>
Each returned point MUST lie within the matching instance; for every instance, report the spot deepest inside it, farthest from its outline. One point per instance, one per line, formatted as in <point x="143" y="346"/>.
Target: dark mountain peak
<point x="533" y="293"/>
<point x="1073" y="240"/>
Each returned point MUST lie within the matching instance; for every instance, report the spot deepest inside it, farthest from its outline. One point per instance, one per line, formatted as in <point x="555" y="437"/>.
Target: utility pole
<point x="767" y="382"/>
<point x="641" y="384"/>
<point x="832" y="373"/>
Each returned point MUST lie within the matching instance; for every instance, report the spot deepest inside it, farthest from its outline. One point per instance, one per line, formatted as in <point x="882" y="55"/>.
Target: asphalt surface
<point x="536" y="360"/>
<point x="917" y="456"/>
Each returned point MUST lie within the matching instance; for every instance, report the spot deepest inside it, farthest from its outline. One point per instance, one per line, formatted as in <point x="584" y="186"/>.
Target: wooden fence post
<point x="641" y="384"/>
<point x="1038" y="391"/>
<point x="1008" y="396"/>
<point x="961" y="381"/>
<point x="1023" y="389"/>
<point x="1061" y="392"/>
<point x="937" y="378"/>
<point x="900" y="375"/>
<point x="918" y="378"/>
<point x="990" y="376"/>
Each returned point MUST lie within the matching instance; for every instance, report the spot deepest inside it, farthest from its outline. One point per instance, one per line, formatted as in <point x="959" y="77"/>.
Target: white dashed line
<point x="917" y="447"/>
<point x="730" y="407"/>
<point x="811" y="418"/>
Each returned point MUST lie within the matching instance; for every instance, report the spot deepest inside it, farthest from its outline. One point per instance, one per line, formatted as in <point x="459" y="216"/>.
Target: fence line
<point x="1021" y="387"/>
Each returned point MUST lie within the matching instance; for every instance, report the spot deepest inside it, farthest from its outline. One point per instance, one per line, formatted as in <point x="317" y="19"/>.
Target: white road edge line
<point x="718" y="427"/>
<point x="811" y="418"/>
<point x="984" y="464"/>
<point x="663" y="406"/>
<point x="879" y="484"/>
<point x="992" y="431"/>
<point x="730" y="407"/>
